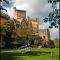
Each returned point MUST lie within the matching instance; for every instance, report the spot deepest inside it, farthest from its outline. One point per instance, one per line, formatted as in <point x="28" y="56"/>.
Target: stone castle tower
<point x="19" y="14"/>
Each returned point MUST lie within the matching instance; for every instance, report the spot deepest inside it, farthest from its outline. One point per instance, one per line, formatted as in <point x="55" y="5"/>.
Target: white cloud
<point x="34" y="8"/>
<point x="44" y="25"/>
<point x="10" y="11"/>
<point x="58" y="5"/>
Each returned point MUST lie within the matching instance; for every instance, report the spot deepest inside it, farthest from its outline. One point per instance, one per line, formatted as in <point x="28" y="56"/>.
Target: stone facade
<point x="19" y="14"/>
<point x="33" y="26"/>
<point x="30" y="26"/>
<point x="26" y="30"/>
<point x="45" y="34"/>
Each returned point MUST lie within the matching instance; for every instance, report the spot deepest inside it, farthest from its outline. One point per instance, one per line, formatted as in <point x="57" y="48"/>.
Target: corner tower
<point x="19" y="14"/>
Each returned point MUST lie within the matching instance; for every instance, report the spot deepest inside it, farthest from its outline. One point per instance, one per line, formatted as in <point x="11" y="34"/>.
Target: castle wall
<point x="33" y="26"/>
<point x="45" y="34"/>
<point x="18" y="14"/>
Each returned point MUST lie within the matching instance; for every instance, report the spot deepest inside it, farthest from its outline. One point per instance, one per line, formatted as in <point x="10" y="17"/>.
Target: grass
<point x="30" y="54"/>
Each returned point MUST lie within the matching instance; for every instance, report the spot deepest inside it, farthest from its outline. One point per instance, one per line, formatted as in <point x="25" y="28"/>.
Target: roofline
<point x="21" y="10"/>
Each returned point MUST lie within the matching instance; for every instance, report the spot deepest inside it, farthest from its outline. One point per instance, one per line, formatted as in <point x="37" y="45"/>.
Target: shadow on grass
<point x="35" y="53"/>
<point x="28" y="53"/>
<point x="11" y="57"/>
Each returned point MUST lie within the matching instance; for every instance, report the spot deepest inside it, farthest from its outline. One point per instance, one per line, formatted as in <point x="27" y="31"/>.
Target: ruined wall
<point x="45" y="34"/>
<point x="33" y="25"/>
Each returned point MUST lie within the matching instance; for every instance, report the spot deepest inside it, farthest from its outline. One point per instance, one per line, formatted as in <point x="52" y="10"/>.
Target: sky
<point x="35" y="8"/>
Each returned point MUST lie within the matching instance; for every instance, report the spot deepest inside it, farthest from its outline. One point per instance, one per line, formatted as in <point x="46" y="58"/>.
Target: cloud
<point x="44" y="25"/>
<point x="34" y="8"/>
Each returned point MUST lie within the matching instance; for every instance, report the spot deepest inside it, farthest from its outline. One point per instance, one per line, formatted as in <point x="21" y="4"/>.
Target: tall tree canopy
<point x="4" y="3"/>
<point x="53" y="16"/>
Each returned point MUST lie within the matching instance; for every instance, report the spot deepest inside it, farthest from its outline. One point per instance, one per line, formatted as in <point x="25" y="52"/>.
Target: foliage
<point x="7" y="1"/>
<point x="53" y="17"/>
<point x="7" y="28"/>
<point x="2" y="14"/>
<point x="50" y="1"/>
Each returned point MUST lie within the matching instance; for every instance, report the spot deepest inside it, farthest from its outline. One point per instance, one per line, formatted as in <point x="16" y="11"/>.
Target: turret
<point x="14" y="13"/>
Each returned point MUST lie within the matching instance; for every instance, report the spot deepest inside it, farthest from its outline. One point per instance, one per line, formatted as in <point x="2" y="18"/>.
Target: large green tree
<point x="2" y="14"/>
<point x="50" y="1"/>
<point x="53" y="16"/>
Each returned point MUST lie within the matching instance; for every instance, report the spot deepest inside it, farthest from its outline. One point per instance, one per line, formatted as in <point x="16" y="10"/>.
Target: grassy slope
<point x="34" y="54"/>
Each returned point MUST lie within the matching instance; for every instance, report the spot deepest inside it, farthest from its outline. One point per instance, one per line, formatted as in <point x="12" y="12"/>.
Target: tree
<point x="1" y="7"/>
<point x="10" y="35"/>
<point x="53" y="17"/>
<point x="2" y="14"/>
<point x="50" y="1"/>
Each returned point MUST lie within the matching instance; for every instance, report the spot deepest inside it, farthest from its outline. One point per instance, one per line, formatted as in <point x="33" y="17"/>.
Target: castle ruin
<point x="26" y="31"/>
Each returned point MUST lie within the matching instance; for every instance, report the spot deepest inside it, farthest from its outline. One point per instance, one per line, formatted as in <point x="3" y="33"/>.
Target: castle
<point x="30" y="27"/>
<point x="26" y="30"/>
<point x="33" y="25"/>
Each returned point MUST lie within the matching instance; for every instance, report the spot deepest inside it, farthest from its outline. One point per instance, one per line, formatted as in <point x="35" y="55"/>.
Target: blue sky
<point x="35" y="8"/>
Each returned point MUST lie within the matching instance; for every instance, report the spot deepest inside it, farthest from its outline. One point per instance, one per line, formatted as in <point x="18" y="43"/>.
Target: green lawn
<point x="30" y="54"/>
